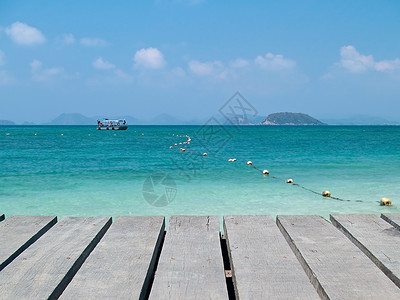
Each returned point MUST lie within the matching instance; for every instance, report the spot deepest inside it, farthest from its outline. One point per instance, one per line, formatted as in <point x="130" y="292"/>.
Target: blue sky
<point x="186" y="58"/>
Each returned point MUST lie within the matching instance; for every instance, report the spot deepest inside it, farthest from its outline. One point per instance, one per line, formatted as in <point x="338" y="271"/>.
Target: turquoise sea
<point x="79" y="171"/>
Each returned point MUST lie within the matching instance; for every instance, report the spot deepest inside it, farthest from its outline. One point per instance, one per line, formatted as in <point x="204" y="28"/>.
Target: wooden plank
<point x="376" y="238"/>
<point x="393" y="219"/>
<point x="122" y="264"/>
<point x="1" y="217"/>
<point x="336" y="267"/>
<point x="263" y="265"/>
<point x="19" y="232"/>
<point x="191" y="265"/>
<point x="44" y="269"/>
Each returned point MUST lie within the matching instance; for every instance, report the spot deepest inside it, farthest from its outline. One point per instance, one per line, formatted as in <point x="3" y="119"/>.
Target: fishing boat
<point x="107" y="124"/>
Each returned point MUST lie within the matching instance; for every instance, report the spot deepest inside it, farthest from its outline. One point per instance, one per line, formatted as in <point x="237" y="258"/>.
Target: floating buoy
<point x="290" y="180"/>
<point x="326" y="193"/>
<point x="233" y="159"/>
<point x="249" y="163"/>
<point x="204" y="154"/>
<point x="176" y="145"/>
<point x="230" y="159"/>
<point x="386" y="201"/>
<point x="173" y="134"/>
<point x="62" y="133"/>
<point x="265" y="172"/>
<point x="142" y="133"/>
<point x="7" y="133"/>
<point x="180" y="143"/>
<point x="115" y="134"/>
<point x="170" y="147"/>
<point x="183" y="150"/>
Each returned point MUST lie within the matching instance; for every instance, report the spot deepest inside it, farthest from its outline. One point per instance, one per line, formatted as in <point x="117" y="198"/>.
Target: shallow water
<point x="79" y="171"/>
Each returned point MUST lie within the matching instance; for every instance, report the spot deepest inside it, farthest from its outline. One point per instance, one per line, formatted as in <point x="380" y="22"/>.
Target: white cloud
<point x="1" y="58"/>
<point x="68" y="39"/>
<point x="239" y="63"/>
<point x="40" y="74"/>
<point x="205" y="68"/>
<point x="5" y="78"/>
<point x="103" y="64"/>
<point x="23" y="34"/>
<point x="355" y="62"/>
<point x="150" y="58"/>
<point x="93" y="42"/>
<point x="274" y="62"/>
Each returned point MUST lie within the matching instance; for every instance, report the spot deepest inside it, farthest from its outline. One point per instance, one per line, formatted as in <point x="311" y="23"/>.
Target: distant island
<point x="288" y="118"/>
<point x="6" y="122"/>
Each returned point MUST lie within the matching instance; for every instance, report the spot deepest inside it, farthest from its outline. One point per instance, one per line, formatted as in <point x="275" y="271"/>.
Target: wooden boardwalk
<point x="296" y="257"/>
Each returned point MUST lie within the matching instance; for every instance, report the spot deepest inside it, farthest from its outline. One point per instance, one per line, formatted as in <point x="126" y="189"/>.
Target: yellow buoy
<point x="265" y="172"/>
<point x="204" y="154"/>
<point x="386" y="201"/>
<point x="326" y="193"/>
<point x="290" y="180"/>
<point x="249" y="163"/>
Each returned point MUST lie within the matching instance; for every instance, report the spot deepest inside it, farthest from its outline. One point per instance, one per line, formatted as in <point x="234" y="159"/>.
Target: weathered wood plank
<point x="19" y="232"/>
<point x="121" y="265"/>
<point x="263" y="265"/>
<point x="376" y="238"/>
<point x="336" y="267"/>
<point x="44" y="269"/>
<point x="393" y="219"/>
<point x="1" y="217"/>
<point x="191" y="265"/>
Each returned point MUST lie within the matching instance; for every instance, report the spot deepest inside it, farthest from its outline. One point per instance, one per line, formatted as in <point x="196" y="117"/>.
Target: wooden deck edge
<point x="148" y="282"/>
<point x="311" y="276"/>
<point x="29" y="242"/>
<point x="80" y="260"/>
<point x="390" y="221"/>
<point x="365" y="250"/>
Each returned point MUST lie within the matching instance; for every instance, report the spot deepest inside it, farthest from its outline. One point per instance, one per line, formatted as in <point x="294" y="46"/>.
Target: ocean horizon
<point x="79" y="171"/>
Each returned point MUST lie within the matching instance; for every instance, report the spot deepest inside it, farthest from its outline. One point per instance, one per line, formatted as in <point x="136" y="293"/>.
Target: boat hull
<point x="123" y="127"/>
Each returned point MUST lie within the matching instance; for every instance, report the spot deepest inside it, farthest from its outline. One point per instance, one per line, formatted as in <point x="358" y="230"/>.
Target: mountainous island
<point x="288" y="118"/>
<point x="6" y="122"/>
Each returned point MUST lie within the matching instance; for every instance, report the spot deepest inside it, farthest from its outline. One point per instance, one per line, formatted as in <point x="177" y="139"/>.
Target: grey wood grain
<point x="121" y="265"/>
<point x="1" y="217"/>
<point x="263" y="265"/>
<point x="191" y="265"/>
<point x="379" y="240"/>
<point x="336" y="267"/>
<point x="393" y="219"/>
<point x="44" y="269"/>
<point x="19" y="232"/>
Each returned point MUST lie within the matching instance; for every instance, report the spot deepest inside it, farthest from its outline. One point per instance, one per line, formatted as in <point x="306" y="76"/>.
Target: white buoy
<point x="7" y="133"/>
<point x="204" y="154"/>
<point x="234" y="159"/>
<point x="265" y="172"/>
<point x="170" y="147"/>
<point x="35" y="133"/>
<point x="115" y="134"/>
<point x="386" y="201"/>
<point x="290" y="180"/>
<point x="142" y="133"/>
<point x="183" y="150"/>
<point x="326" y="193"/>
<point x="180" y="143"/>
<point x="176" y="145"/>
<point x="249" y="163"/>
<point x="62" y="133"/>
<point x="89" y="134"/>
<point x="230" y="159"/>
